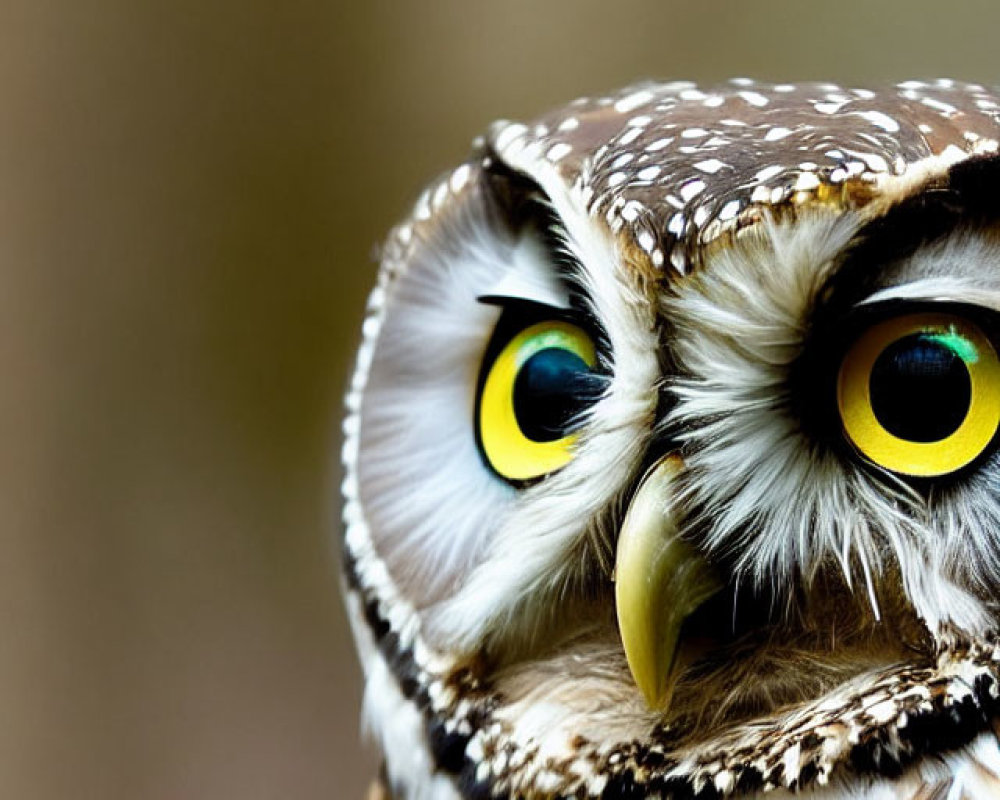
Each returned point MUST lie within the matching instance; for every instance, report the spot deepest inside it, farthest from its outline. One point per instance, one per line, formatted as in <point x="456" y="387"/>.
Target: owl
<point x="670" y="455"/>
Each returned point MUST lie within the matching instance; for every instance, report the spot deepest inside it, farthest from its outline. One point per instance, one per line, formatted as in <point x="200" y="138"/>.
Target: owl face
<point x="671" y="449"/>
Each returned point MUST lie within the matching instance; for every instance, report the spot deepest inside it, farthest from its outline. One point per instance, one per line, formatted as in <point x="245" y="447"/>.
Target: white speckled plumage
<point x="691" y="218"/>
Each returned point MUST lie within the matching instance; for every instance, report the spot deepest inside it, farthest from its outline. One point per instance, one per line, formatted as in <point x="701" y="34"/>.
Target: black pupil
<point x="551" y="387"/>
<point x="920" y="389"/>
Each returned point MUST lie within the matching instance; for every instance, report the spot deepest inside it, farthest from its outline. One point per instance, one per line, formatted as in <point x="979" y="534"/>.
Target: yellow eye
<point x="919" y="394"/>
<point x="538" y="382"/>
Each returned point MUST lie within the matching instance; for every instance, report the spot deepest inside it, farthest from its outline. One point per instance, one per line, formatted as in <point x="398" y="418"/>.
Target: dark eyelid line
<point x="518" y="312"/>
<point x="863" y="316"/>
<point x="579" y="313"/>
<point x="509" y="301"/>
<point x="867" y="313"/>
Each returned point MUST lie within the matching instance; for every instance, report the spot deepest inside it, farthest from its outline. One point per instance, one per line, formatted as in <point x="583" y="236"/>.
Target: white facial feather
<point x="780" y="505"/>
<point x="552" y="537"/>
<point x="463" y="545"/>
<point x="422" y="480"/>
<point x="529" y="276"/>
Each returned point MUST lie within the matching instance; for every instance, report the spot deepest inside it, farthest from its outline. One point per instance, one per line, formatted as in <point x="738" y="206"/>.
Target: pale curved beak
<point x="660" y="580"/>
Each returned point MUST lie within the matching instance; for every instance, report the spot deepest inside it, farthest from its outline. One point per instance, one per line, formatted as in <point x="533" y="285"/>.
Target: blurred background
<point x="190" y="195"/>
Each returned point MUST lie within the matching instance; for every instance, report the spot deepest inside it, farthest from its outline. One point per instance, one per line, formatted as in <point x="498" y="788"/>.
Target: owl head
<point x="670" y="454"/>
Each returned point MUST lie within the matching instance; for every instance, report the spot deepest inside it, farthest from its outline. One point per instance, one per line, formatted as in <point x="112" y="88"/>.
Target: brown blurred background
<point x="190" y="193"/>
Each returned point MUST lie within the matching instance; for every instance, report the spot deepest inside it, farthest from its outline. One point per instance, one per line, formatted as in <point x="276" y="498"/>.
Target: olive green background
<point x="190" y="194"/>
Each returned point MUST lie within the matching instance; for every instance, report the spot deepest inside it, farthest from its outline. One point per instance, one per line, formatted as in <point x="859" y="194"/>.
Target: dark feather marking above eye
<point x="525" y="208"/>
<point x="969" y="198"/>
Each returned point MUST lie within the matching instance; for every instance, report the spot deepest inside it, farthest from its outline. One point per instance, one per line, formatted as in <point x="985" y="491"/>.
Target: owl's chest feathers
<point x="745" y="669"/>
<point x="545" y="729"/>
<point x="747" y="658"/>
<point x="800" y="704"/>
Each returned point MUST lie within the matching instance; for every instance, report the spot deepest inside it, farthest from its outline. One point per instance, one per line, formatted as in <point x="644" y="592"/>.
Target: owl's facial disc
<point x="671" y="466"/>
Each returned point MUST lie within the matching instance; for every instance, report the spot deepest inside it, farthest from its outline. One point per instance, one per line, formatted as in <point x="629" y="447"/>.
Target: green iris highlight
<point x="957" y="343"/>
